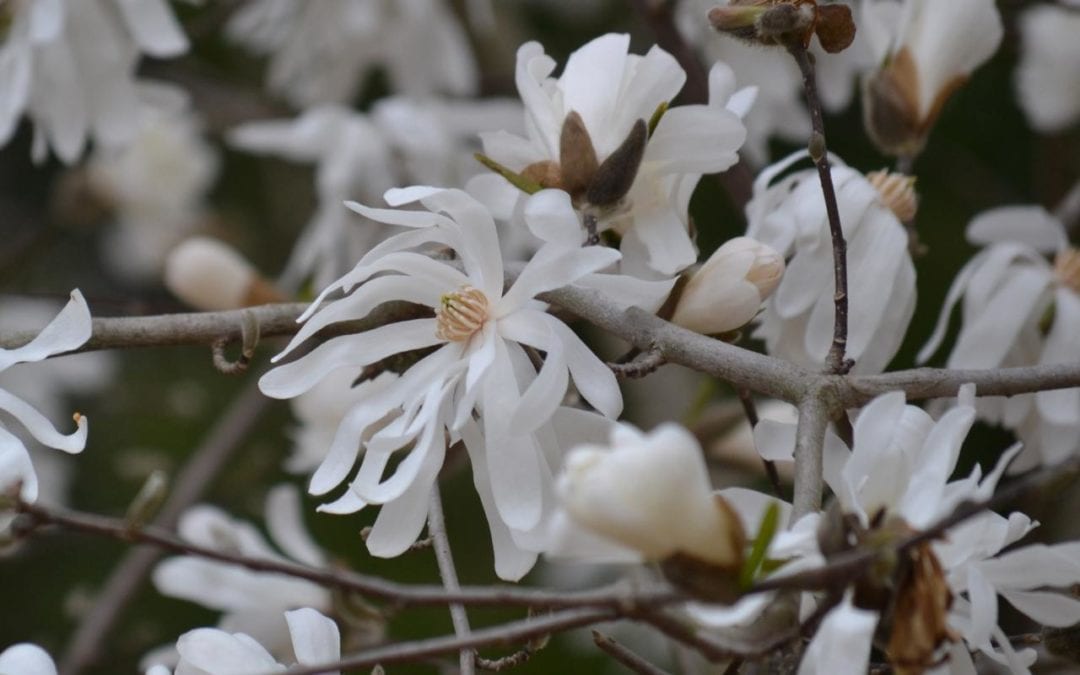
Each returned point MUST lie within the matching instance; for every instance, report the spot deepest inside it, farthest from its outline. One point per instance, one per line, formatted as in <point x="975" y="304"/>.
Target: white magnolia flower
<point x="353" y="160"/>
<point x="925" y="55"/>
<point x="26" y="659"/>
<point x="250" y="602"/>
<point x="727" y="292"/>
<point x="321" y="52"/>
<point x="479" y="334"/>
<point x="1020" y="309"/>
<point x="209" y="651"/>
<point x="590" y="114"/>
<point x="1049" y="66"/>
<point x="797" y="323"/>
<point x="167" y="148"/>
<point x="70" y="67"/>
<point x="651" y="493"/>
<point x="69" y="330"/>
<point x="898" y="471"/>
<point x="842" y="642"/>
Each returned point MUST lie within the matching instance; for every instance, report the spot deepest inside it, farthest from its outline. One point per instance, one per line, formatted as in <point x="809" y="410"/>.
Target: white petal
<point x="984" y="342"/>
<point x="1047" y="609"/>
<point x="1062" y="406"/>
<point x="154" y="27"/>
<point x="285" y="522"/>
<point x="315" y="638"/>
<point x="695" y="139"/>
<point x="553" y="267"/>
<point x="551" y="217"/>
<point x="593" y="379"/>
<point x="26" y="659"/>
<point x="590" y="84"/>
<point x="357" y="350"/>
<point x="842" y="643"/>
<point x="68" y="330"/>
<point x="1030" y="225"/>
<point x="400" y="522"/>
<point x="41" y="428"/>
<point x="220" y="653"/>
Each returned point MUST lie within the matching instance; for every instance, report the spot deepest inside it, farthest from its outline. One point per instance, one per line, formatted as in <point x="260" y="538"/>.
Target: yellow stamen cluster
<point x="897" y="192"/>
<point x="460" y="314"/>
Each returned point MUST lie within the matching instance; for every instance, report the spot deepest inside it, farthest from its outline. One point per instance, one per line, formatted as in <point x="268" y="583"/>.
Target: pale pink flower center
<point x="460" y="314"/>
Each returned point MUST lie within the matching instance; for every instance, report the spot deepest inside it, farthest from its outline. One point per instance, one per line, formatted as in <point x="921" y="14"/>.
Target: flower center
<point x="460" y="314"/>
<point x="1067" y="268"/>
<point x="897" y="192"/>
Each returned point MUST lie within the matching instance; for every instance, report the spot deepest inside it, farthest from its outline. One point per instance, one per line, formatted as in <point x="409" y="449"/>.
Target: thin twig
<point x="508" y="633"/>
<point x="609" y="646"/>
<point x="445" y="559"/>
<point x="835" y="361"/>
<point x="750" y="409"/>
<point x="518" y="658"/>
<point x="645" y="363"/>
<point x="615" y="596"/>
<point x="129" y="575"/>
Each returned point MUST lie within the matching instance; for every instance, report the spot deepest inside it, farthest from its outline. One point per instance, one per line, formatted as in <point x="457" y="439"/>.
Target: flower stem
<point x="835" y="361"/>
<point x="445" y="559"/>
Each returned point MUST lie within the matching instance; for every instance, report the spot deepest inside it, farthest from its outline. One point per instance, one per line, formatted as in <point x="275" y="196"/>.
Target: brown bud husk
<point x="577" y="156"/>
<point x="615" y="177"/>
<point x="711" y="581"/>
<point x="835" y="27"/>
<point x="920" y="616"/>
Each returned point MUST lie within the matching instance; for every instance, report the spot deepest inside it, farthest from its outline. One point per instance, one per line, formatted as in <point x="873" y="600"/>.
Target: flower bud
<point x="651" y="493"/>
<point x="210" y="275"/>
<point x="727" y="292"/>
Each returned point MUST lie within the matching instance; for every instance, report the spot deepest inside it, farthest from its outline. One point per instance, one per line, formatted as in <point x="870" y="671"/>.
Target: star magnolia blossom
<point x="1049" y="66"/>
<point x="70" y="67"/>
<point x="797" y="323"/>
<point x="320" y="52"/>
<point x="898" y="472"/>
<point x="930" y="51"/>
<point x="479" y="334"/>
<point x="69" y="330"/>
<point x="589" y="114"/>
<point x="209" y="651"/>
<point x="250" y="602"/>
<point x="1020" y="309"/>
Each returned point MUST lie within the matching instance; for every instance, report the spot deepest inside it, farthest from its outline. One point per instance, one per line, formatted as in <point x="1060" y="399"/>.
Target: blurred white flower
<point x="1049" y="66"/>
<point x="925" y="56"/>
<point x="322" y="52"/>
<point x="167" y="148"/>
<point x="250" y="602"/>
<point x="352" y="159"/>
<point x="842" y="642"/>
<point x="651" y="493"/>
<point x="70" y="67"/>
<point x="315" y="640"/>
<point x="68" y="330"/>
<point x="727" y="292"/>
<point x="585" y="132"/>
<point x="26" y="659"/>
<point x="479" y="334"/>
<point x="1020" y="309"/>
<point x="797" y="323"/>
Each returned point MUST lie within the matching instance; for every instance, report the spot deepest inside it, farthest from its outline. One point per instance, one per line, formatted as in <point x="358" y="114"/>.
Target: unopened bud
<point x="210" y="275"/>
<point x="897" y="192"/>
<point x="727" y="292"/>
<point x="785" y="22"/>
<point x="651" y="493"/>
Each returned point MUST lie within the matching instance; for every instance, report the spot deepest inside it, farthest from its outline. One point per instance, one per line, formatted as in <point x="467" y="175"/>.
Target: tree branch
<point x="445" y="558"/>
<point x="509" y="633"/>
<point x="809" y="447"/>
<point x="835" y="361"/>
<point x="621" y="597"/>
<point x="921" y="383"/>
<point x="609" y="646"/>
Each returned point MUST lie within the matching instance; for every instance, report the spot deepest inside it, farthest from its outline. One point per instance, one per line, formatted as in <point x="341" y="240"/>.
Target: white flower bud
<point x="727" y="292"/>
<point x="651" y="492"/>
<point x="210" y="275"/>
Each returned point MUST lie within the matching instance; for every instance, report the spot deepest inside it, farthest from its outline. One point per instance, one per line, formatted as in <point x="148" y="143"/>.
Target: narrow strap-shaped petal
<point x="285" y="522"/>
<point x="554" y="267"/>
<point x="41" y="428"/>
<point x="68" y="330"/>
<point x="155" y="29"/>
<point x="479" y="250"/>
<point x="593" y="379"/>
<point x="362" y="349"/>
<point x="400" y="522"/>
<point x="215" y="651"/>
